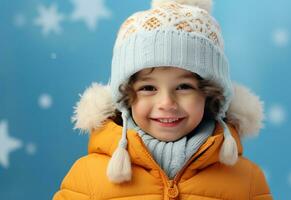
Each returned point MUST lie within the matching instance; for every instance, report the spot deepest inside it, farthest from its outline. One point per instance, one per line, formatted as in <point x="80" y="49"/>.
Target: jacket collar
<point x="105" y="141"/>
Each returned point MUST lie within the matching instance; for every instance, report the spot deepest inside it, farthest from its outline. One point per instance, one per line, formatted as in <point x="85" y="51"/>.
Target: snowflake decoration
<point x="7" y="144"/>
<point x="277" y="115"/>
<point x="281" y="37"/>
<point x="49" y="19"/>
<point x="45" y="101"/>
<point x="90" y="11"/>
<point x="30" y="149"/>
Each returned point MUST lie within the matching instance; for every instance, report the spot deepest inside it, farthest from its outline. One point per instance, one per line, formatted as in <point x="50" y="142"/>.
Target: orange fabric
<point x="202" y="178"/>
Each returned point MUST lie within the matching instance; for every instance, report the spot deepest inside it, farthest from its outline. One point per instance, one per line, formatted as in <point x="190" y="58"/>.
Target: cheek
<point x="139" y="110"/>
<point x="196" y="105"/>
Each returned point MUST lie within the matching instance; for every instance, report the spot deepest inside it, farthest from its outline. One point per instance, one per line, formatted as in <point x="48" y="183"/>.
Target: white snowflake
<point x="281" y="37"/>
<point x="276" y="114"/>
<point x="49" y="19"/>
<point x="30" y="148"/>
<point x="90" y="11"/>
<point x="45" y="101"/>
<point x="7" y="144"/>
<point x="19" y="20"/>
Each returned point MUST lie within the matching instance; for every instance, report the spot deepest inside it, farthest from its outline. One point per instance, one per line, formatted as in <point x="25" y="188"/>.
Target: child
<point x="169" y="124"/>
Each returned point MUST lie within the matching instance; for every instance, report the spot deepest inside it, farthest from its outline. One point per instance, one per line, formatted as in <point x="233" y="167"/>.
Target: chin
<point x="167" y="139"/>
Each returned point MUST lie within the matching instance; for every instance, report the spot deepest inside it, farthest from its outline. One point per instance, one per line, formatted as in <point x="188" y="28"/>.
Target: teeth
<point x="168" y="120"/>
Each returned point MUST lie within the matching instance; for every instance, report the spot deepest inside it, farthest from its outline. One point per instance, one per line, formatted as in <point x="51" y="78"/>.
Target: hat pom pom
<point x="95" y="106"/>
<point x="246" y="112"/>
<point x="119" y="167"/>
<point x="204" y="4"/>
<point x="228" y="151"/>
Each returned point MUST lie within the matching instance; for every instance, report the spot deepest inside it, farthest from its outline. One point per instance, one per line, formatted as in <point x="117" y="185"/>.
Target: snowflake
<point x="49" y="19"/>
<point x="90" y="11"/>
<point x="30" y="148"/>
<point x="7" y="144"/>
<point x="281" y="37"/>
<point x="45" y="101"/>
<point x="276" y="115"/>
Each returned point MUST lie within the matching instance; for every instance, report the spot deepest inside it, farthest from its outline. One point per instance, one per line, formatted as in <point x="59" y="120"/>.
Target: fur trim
<point x="204" y="4"/>
<point x="96" y="105"/>
<point x="94" y="108"/>
<point x="245" y="112"/>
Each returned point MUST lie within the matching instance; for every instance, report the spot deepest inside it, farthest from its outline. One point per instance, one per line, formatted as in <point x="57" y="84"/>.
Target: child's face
<point x="168" y="106"/>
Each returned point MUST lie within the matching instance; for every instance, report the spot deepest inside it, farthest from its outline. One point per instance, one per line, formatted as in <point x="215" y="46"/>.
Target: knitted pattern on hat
<point x="176" y="17"/>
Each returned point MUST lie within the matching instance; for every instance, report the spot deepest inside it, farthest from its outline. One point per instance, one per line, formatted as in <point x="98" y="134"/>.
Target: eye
<point x="147" y="88"/>
<point x="185" y="86"/>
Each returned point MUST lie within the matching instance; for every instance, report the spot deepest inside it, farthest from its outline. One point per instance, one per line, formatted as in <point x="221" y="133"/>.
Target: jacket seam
<point x="74" y="191"/>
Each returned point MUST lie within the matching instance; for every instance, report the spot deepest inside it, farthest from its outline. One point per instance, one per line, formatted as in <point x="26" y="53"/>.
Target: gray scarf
<point x="172" y="156"/>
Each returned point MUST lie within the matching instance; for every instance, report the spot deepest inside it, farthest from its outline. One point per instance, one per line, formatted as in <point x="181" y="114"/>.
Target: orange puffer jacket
<point x="202" y="178"/>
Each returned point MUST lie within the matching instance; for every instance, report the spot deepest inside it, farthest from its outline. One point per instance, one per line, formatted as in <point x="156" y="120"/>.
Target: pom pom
<point x="94" y="107"/>
<point x="119" y="167"/>
<point x="245" y="112"/>
<point x="228" y="151"/>
<point x="204" y="4"/>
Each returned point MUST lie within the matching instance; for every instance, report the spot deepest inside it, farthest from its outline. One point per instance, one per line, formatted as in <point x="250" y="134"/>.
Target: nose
<point x="167" y="102"/>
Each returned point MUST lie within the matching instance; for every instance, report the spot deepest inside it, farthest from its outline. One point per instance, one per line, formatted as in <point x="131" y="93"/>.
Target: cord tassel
<point x="228" y="154"/>
<point x="119" y="167"/>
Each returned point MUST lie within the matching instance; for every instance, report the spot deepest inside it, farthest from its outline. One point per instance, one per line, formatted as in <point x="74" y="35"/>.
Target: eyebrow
<point x="144" y="78"/>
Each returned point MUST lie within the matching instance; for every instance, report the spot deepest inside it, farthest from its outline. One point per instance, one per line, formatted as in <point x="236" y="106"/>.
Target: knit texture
<point x="172" y="156"/>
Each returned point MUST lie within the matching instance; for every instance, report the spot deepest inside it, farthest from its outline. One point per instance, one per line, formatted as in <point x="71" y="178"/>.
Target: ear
<point x="94" y="107"/>
<point x="245" y="112"/>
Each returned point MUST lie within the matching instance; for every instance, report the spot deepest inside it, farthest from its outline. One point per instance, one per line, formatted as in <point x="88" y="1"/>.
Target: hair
<point x="212" y="92"/>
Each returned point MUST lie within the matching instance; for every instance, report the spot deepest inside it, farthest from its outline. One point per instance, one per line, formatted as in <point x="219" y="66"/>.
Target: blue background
<point x="257" y="43"/>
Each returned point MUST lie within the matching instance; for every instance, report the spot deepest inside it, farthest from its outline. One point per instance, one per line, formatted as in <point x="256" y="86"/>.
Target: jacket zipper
<point x="180" y="173"/>
<point x="171" y="184"/>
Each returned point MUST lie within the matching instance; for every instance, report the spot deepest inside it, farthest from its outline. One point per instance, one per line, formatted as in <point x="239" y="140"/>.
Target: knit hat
<point x="180" y="33"/>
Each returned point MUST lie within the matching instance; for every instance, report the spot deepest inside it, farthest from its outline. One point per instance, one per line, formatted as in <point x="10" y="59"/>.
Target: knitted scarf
<point x="172" y="156"/>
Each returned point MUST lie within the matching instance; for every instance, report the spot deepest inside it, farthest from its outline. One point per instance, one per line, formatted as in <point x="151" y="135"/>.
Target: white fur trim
<point x="119" y="167"/>
<point x="204" y="4"/>
<point x="94" y="108"/>
<point x="228" y="151"/>
<point x="245" y="112"/>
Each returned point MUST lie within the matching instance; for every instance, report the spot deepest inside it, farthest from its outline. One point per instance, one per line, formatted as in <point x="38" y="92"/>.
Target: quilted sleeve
<point x="75" y="185"/>
<point x="259" y="187"/>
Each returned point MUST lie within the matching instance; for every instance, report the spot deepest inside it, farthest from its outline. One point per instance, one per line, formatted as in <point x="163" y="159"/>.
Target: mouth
<point x="169" y="121"/>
